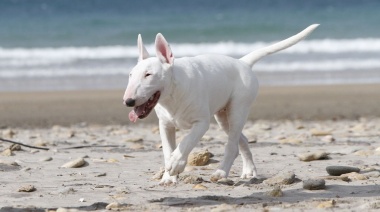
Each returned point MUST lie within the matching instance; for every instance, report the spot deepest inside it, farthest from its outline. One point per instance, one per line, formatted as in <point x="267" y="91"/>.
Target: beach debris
<point x="314" y="184"/>
<point x="7" y="152"/>
<point x="282" y="178"/>
<point x="158" y="175"/>
<point x="15" y="147"/>
<point x="320" y="155"/>
<point x="77" y="163"/>
<point x="225" y="181"/>
<point x="326" y="204"/>
<point x="275" y="192"/>
<point x="8" y="133"/>
<point x="328" y="139"/>
<point x="27" y="188"/>
<point x="199" y="187"/>
<point x="82" y="200"/>
<point x="199" y="158"/>
<point x="102" y="174"/>
<point x="339" y="170"/>
<point x="318" y="132"/>
<point x="355" y="176"/>
<point x="191" y="179"/>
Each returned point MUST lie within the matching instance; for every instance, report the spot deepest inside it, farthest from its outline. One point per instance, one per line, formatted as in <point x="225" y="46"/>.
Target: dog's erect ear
<point x="163" y="51"/>
<point x="143" y="53"/>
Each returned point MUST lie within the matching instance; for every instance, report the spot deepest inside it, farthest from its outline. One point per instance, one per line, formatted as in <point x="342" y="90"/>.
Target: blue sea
<point x="91" y="44"/>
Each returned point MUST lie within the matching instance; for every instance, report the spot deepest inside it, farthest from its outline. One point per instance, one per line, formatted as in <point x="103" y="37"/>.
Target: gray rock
<point x="339" y="170"/>
<point x="314" y="184"/>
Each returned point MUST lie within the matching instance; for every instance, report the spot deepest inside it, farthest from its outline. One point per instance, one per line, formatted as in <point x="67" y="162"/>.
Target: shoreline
<point x="325" y="102"/>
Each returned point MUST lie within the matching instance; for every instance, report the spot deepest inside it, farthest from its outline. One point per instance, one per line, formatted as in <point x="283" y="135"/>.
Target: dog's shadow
<point x="289" y="196"/>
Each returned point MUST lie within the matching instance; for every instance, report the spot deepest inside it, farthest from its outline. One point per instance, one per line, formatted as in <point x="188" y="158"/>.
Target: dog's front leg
<point x="178" y="160"/>
<point x="167" y="133"/>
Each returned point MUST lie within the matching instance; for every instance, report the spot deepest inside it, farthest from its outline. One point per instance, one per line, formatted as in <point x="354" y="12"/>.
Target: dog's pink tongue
<point x="133" y="116"/>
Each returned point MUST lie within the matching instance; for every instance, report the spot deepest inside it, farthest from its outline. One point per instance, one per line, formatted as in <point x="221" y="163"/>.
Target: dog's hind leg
<point x="232" y="147"/>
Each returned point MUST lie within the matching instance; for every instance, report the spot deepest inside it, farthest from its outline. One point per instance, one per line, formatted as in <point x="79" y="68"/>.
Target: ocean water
<point x="91" y="44"/>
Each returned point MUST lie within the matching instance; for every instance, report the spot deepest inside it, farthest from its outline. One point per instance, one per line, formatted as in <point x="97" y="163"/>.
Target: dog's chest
<point x="179" y="119"/>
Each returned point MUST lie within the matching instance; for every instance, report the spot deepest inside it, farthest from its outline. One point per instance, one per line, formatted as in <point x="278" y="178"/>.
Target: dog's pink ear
<point x="163" y="51"/>
<point x="143" y="53"/>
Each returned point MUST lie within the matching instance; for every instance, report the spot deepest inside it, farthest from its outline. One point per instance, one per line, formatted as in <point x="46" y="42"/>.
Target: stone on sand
<point x="320" y="155"/>
<point x="314" y="184"/>
<point x="199" y="187"/>
<point x="27" y="188"/>
<point x="199" y="158"/>
<point x="339" y="170"/>
<point x="282" y="178"/>
<point x="355" y="176"/>
<point x="317" y="132"/>
<point x="275" y="192"/>
<point x="77" y="163"/>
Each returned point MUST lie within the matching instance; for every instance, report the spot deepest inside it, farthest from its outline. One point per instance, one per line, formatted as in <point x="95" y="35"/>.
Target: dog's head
<point x="148" y="79"/>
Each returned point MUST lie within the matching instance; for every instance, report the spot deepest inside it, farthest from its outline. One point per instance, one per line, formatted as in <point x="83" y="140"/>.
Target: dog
<point x="187" y="92"/>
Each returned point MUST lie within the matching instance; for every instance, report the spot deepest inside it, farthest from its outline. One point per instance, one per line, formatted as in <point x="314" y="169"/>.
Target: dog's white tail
<point x="254" y="56"/>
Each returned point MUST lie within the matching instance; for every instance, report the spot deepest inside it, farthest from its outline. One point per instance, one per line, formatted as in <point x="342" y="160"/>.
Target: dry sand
<point x="341" y="121"/>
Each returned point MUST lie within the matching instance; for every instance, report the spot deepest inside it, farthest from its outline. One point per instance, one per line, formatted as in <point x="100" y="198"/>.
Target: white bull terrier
<point x="187" y="92"/>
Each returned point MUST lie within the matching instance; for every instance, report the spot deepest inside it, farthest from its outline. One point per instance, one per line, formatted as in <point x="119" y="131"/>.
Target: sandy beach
<point x="340" y="123"/>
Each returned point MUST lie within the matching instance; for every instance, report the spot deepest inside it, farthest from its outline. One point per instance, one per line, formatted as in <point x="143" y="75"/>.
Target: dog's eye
<point x="147" y="75"/>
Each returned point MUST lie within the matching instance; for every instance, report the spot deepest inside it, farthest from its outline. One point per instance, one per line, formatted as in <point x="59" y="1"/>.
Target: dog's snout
<point x="130" y="102"/>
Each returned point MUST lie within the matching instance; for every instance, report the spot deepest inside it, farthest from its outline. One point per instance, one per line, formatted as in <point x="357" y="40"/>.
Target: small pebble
<point x="320" y="155"/>
<point x="199" y="158"/>
<point x="355" y="176"/>
<point x="79" y="162"/>
<point x="314" y="184"/>
<point x="7" y="152"/>
<point x="199" y="187"/>
<point x="283" y="178"/>
<point x="339" y="170"/>
<point x="15" y="147"/>
<point x="27" y="188"/>
<point x="275" y="192"/>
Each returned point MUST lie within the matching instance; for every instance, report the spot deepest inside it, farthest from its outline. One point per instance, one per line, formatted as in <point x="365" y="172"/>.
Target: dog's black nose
<point x="130" y="102"/>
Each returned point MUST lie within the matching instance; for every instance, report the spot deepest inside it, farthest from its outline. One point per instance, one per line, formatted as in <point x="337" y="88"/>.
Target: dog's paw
<point x="248" y="172"/>
<point x="218" y="174"/>
<point x="168" y="180"/>
<point x="176" y="164"/>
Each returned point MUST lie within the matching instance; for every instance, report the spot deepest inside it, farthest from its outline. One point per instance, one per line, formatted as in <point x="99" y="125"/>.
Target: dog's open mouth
<point x="143" y="110"/>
